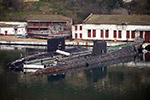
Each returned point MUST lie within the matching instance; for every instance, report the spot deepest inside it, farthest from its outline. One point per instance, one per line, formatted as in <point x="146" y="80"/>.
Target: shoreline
<point x="15" y="40"/>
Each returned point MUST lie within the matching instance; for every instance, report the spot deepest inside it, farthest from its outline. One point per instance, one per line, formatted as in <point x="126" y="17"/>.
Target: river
<point x="128" y="79"/>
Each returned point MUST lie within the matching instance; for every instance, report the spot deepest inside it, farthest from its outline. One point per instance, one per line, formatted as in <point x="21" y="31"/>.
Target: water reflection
<point x="99" y="73"/>
<point x="110" y="81"/>
<point x="146" y="57"/>
<point x="52" y="78"/>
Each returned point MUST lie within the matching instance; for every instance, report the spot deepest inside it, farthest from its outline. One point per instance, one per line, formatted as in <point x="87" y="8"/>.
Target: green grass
<point x="77" y="10"/>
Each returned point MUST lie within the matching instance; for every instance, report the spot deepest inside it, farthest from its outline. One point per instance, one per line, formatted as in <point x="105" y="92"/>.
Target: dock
<point x="17" y="40"/>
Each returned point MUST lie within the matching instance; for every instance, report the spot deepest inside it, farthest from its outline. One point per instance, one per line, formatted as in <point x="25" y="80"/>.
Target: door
<point x="94" y="33"/>
<point x="147" y="56"/>
<point x="128" y="34"/>
<point x="120" y="35"/>
<point x="102" y="34"/>
<point x="147" y="36"/>
<point x="80" y="35"/>
<point x="76" y="35"/>
<point x="89" y="33"/>
<point x="6" y="32"/>
<point x="115" y="34"/>
<point x="141" y="34"/>
<point x="15" y="31"/>
<point x="107" y="34"/>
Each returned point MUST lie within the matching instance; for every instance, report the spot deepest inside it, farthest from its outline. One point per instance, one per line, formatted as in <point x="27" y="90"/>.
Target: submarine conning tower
<point x="57" y="43"/>
<point x="99" y="47"/>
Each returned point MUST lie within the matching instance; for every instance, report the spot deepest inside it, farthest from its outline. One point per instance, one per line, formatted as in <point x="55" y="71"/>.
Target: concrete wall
<point x="21" y="31"/>
<point x="7" y="30"/>
<point x="48" y="27"/>
<point x="15" y="28"/>
<point x="12" y="31"/>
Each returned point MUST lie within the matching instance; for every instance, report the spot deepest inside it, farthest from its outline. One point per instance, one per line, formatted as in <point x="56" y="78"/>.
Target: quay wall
<point x="67" y="43"/>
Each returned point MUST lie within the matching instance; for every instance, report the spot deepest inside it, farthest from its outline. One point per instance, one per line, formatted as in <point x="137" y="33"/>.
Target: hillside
<point x="76" y="9"/>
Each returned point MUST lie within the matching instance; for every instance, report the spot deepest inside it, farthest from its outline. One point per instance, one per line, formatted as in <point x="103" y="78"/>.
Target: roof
<point x="7" y="25"/>
<point x="23" y="24"/>
<point x="13" y="24"/>
<point x="118" y="19"/>
<point x="48" y="18"/>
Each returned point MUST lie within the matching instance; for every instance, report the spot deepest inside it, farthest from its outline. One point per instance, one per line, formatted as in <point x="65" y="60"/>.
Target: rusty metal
<point x="88" y="60"/>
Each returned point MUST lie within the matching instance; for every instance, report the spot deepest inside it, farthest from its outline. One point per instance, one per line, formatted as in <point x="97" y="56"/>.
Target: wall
<point x="21" y="31"/>
<point x="11" y="31"/>
<point x="47" y="27"/>
<point x="104" y="27"/>
<point x="20" y="28"/>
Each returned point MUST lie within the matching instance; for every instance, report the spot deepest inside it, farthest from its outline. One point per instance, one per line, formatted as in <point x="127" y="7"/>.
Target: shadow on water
<point x="99" y="71"/>
<point x="113" y="80"/>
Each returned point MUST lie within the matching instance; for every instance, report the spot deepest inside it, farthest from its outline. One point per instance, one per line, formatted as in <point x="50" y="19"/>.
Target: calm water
<point x="108" y="82"/>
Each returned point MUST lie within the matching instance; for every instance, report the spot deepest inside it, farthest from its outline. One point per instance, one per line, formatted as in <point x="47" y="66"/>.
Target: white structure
<point x="127" y="1"/>
<point x="63" y="52"/>
<point x="13" y="28"/>
<point x="113" y="27"/>
<point x="30" y="0"/>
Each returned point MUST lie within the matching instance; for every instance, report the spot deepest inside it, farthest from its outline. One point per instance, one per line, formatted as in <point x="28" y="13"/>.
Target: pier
<point x="16" y="40"/>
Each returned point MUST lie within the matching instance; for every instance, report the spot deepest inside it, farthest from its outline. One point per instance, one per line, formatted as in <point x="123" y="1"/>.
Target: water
<point x="125" y="81"/>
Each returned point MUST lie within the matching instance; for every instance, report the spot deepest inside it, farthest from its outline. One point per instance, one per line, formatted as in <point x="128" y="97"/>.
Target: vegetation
<point x="76" y="9"/>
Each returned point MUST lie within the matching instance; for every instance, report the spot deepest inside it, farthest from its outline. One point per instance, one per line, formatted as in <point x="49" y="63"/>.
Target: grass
<point x="77" y="10"/>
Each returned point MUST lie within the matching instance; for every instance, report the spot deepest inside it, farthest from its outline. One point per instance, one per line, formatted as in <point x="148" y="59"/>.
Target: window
<point x="141" y="34"/>
<point x="119" y="34"/>
<point x="80" y="27"/>
<point x="34" y="24"/>
<point x="133" y="34"/>
<point x="81" y="35"/>
<point x="76" y="35"/>
<point x="47" y="24"/>
<point x="76" y="28"/>
<point x="94" y="33"/>
<point x="107" y="33"/>
<point x="115" y="34"/>
<point x="51" y="24"/>
<point x="102" y="33"/>
<point x="128" y="34"/>
<point x="89" y="33"/>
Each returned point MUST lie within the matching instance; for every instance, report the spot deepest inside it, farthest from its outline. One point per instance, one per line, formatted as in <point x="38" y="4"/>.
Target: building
<point x="13" y="28"/>
<point x="48" y="24"/>
<point x="113" y="27"/>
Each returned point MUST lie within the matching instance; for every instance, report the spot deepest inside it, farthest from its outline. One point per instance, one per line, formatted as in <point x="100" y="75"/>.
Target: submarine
<point x="57" y="59"/>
